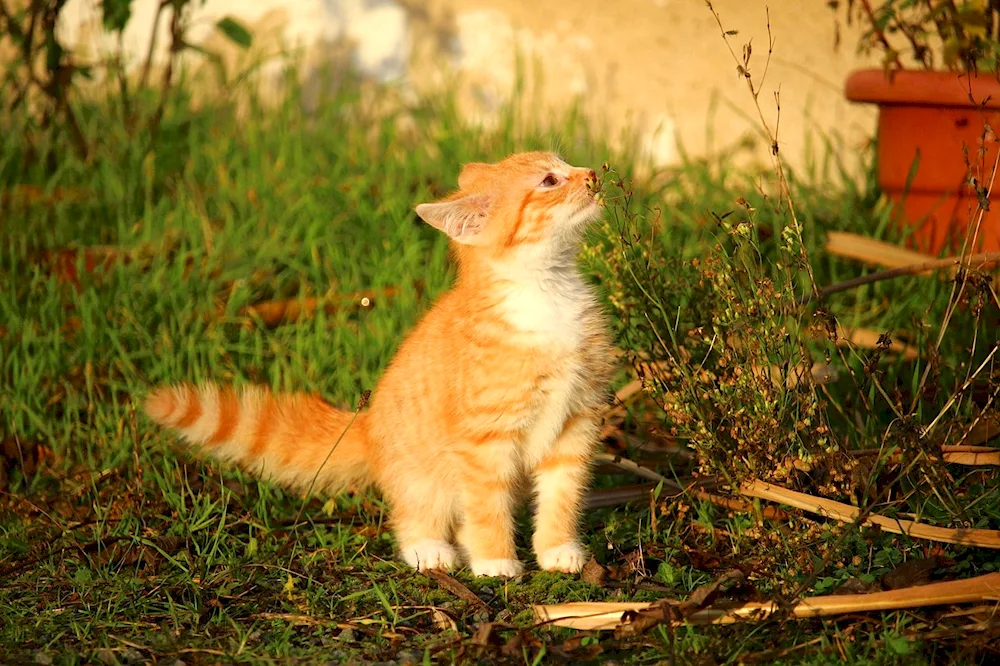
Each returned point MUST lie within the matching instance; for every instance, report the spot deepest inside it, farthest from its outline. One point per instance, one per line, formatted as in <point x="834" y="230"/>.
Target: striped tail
<point x="291" y="439"/>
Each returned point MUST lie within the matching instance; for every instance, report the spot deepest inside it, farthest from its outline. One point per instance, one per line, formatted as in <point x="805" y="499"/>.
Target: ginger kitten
<point x="497" y="391"/>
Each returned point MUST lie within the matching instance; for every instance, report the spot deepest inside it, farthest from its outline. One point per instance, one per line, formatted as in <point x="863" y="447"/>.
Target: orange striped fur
<point x="495" y="394"/>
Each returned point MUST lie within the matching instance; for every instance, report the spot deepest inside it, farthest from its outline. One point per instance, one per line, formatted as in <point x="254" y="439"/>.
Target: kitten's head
<point x="528" y="204"/>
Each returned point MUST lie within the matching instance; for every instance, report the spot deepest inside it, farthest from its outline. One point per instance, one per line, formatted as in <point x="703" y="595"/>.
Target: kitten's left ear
<point x="463" y="219"/>
<point x="472" y="172"/>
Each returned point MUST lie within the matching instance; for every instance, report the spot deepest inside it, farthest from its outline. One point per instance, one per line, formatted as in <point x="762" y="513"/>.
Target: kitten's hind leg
<point x="561" y="478"/>
<point x="424" y="529"/>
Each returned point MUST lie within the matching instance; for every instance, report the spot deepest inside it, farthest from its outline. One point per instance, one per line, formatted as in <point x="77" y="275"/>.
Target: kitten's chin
<point x="589" y="212"/>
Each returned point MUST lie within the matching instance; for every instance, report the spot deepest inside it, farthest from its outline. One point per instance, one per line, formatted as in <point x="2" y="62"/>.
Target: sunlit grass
<point x="114" y="544"/>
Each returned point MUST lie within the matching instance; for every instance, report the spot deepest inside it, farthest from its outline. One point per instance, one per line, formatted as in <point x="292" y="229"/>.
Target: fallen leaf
<point x="520" y="643"/>
<point x="636" y="623"/>
<point x="573" y="648"/>
<point x="703" y="560"/>
<point x="443" y="621"/>
<point x="914" y="572"/>
<point x="852" y="586"/>
<point x="33" y="194"/>
<point x="485" y="635"/>
<point x="593" y="573"/>
<point x="457" y="588"/>
<point x="706" y="594"/>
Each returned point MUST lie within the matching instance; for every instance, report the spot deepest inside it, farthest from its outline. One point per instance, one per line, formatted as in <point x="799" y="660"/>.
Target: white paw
<point x="430" y="554"/>
<point x="505" y="568"/>
<point x="568" y="558"/>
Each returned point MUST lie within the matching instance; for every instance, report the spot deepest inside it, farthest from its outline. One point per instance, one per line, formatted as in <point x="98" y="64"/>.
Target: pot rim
<point x="924" y="88"/>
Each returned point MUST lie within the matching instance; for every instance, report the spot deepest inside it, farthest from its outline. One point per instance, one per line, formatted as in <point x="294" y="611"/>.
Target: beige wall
<point x="654" y="65"/>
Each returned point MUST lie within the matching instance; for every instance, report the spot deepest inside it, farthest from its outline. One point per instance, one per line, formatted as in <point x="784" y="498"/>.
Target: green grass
<point x="116" y="546"/>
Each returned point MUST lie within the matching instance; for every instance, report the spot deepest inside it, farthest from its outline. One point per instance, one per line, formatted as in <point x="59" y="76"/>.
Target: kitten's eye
<point x="550" y="181"/>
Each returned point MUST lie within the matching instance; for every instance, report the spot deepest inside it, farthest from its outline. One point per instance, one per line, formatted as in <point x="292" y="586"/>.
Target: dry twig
<point x="847" y="513"/>
<point x="871" y="251"/>
<point x="730" y="503"/>
<point x="977" y="261"/>
<point x="594" y="616"/>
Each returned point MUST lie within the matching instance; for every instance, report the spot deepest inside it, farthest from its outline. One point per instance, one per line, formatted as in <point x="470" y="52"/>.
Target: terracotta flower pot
<point x="932" y="115"/>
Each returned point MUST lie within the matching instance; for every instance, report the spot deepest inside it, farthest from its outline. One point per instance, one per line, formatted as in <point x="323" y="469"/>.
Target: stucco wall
<point x="658" y="66"/>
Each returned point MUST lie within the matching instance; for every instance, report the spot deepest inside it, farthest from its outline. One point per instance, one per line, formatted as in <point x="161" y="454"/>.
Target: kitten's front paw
<point x="504" y="568"/>
<point x="430" y="554"/>
<point x="568" y="558"/>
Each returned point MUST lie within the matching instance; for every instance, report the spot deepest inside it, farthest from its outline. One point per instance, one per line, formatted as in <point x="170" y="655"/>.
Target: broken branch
<point x="847" y="513"/>
<point x="597" y="616"/>
<point x="730" y="503"/>
<point x="981" y="260"/>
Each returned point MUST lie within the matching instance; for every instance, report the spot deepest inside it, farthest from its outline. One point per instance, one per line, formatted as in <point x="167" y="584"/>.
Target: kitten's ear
<point x="472" y="172"/>
<point x="462" y="219"/>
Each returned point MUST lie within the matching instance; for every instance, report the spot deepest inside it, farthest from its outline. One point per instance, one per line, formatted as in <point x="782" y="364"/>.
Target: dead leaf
<point x="703" y="560"/>
<point x="914" y="572"/>
<point x="26" y="456"/>
<point x="593" y="573"/>
<point x="852" y="586"/>
<point x="635" y="563"/>
<point x="706" y="594"/>
<point x="984" y="431"/>
<point x="442" y="620"/>
<point x="33" y="194"/>
<point x="636" y="623"/>
<point x="63" y="263"/>
<point x="485" y="635"/>
<point x="457" y="588"/>
<point x="573" y="648"/>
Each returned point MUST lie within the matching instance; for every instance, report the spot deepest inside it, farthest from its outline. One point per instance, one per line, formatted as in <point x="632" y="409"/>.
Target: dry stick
<point x="957" y="455"/>
<point x="847" y="513"/>
<point x="973" y="457"/>
<point x="176" y="46"/>
<point x="771" y="513"/>
<point x="618" y="408"/>
<point x="821" y="506"/>
<point x="456" y="588"/>
<point x="987" y="258"/>
<point x="871" y="251"/>
<point x="593" y="616"/>
<point x="601" y="499"/>
<point x="627" y="391"/>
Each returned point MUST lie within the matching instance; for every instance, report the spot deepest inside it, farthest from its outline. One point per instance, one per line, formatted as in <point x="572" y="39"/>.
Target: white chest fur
<point x="549" y="309"/>
<point x="549" y="305"/>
